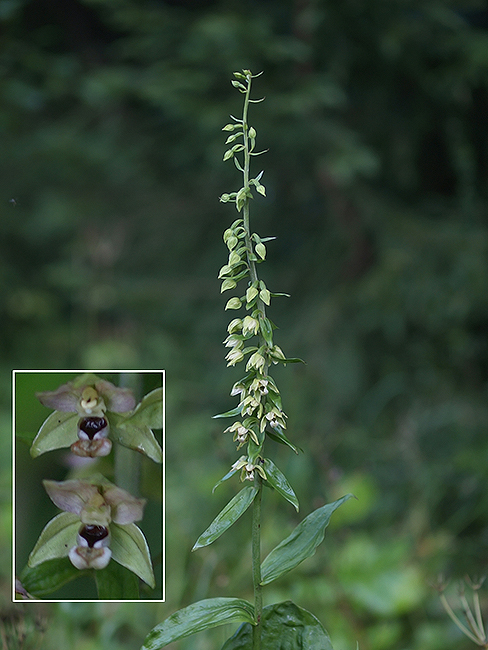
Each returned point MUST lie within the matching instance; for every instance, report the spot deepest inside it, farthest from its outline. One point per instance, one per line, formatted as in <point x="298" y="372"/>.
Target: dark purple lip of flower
<point x="92" y="425"/>
<point x="93" y="533"/>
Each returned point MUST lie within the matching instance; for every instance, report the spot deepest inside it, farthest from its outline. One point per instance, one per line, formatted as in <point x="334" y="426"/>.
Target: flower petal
<point x="65" y="398"/>
<point x="71" y="496"/>
<point x="117" y="400"/>
<point x="125" y="508"/>
<point x="89" y="558"/>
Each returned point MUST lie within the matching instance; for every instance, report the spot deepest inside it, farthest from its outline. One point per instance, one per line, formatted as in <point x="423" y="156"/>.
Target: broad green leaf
<point x="278" y="435"/>
<point x="58" y="430"/>
<point x="115" y="582"/>
<point x="56" y="539"/>
<point x="130" y="549"/>
<point x="149" y="411"/>
<point x="226" y="517"/>
<point x="42" y="579"/>
<point x="285" y="625"/>
<point x="278" y="481"/>
<point x="301" y="544"/>
<point x="137" y="436"/>
<point x="197" y="617"/>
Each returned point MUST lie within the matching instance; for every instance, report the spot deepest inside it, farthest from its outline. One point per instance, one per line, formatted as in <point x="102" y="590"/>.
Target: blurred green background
<point x="377" y="189"/>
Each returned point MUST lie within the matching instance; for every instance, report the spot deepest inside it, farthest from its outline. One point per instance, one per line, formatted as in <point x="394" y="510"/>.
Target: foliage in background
<point x="375" y="121"/>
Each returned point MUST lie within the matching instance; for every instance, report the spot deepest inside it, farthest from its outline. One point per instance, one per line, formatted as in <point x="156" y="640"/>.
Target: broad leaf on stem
<point x="285" y="625"/>
<point x="226" y="517"/>
<point x="279" y="482"/>
<point x="199" y="616"/>
<point x="301" y="544"/>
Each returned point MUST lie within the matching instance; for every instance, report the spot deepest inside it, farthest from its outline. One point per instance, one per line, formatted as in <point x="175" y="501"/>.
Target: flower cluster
<point x="97" y="519"/>
<point x="250" y="338"/>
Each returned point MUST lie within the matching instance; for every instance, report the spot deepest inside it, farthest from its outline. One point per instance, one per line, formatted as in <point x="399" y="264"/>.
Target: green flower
<point x="91" y="412"/>
<point x="96" y="525"/>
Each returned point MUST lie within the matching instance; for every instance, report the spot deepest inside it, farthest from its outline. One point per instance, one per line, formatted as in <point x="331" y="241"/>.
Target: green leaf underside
<point x="137" y="436"/>
<point x="130" y="549"/>
<point x="226" y="517"/>
<point x="301" y="544"/>
<point x="199" y="616"/>
<point x="115" y="582"/>
<point x="285" y="625"/>
<point x="56" y="539"/>
<point x="150" y="411"/>
<point x="279" y="482"/>
<point x="229" y="475"/>
<point x="49" y="576"/>
<point x="229" y="414"/>
<point x="58" y="430"/>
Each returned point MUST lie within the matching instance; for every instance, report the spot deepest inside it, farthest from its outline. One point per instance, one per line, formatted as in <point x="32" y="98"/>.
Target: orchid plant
<point x="258" y="418"/>
<point x="95" y="533"/>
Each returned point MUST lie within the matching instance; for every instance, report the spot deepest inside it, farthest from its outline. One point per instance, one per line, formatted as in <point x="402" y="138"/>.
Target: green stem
<point x="256" y="508"/>
<point x="247" y="168"/>
<point x="256" y="564"/>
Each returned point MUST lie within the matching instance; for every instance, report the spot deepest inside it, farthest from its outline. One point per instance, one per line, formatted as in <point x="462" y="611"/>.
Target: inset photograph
<point x="88" y="485"/>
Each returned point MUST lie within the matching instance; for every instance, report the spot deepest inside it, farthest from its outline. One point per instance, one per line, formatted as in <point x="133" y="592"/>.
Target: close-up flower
<point x="90" y="413"/>
<point x="91" y="399"/>
<point x="96" y="525"/>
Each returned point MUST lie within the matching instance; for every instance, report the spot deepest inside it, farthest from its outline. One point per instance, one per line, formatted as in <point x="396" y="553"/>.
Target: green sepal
<point x="134" y="433"/>
<point x="278" y="435"/>
<point x="130" y="549"/>
<point x="115" y="582"/>
<point x="301" y="544"/>
<point x="229" y="414"/>
<point x="284" y="625"/>
<point x="149" y="411"/>
<point x="226" y="517"/>
<point x="279" y="482"/>
<point x="199" y="616"/>
<point x="42" y="579"/>
<point x="58" y="430"/>
<point x="56" y="539"/>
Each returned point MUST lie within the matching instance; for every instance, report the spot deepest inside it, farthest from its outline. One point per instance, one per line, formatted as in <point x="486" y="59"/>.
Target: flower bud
<point x="233" y="303"/>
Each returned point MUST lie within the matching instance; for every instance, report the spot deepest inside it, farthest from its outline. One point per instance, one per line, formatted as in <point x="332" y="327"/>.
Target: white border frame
<point x="163" y="487"/>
